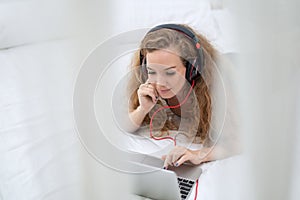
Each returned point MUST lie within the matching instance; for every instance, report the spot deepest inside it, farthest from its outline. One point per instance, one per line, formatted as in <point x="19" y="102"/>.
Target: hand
<point x="179" y="155"/>
<point x="148" y="96"/>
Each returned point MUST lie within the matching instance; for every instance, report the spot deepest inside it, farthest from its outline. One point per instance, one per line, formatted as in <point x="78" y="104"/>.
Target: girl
<point x="172" y="76"/>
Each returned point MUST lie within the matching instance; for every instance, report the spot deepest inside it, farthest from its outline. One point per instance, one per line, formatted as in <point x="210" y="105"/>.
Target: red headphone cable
<point x="165" y="107"/>
<point x="168" y="137"/>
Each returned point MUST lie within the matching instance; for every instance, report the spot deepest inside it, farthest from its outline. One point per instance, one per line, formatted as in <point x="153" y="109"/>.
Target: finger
<point x="182" y="159"/>
<point x="148" y="81"/>
<point x="152" y="87"/>
<point x="167" y="162"/>
<point x="148" y="84"/>
<point x="154" y="91"/>
<point x="175" y="157"/>
<point x="145" y="85"/>
<point x="164" y="158"/>
<point x="148" y="92"/>
<point x="177" y="152"/>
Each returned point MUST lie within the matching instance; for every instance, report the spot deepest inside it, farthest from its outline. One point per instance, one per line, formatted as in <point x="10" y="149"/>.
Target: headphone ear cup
<point x="192" y="71"/>
<point x="188" y="72"/>
<point x="195" y="74"/>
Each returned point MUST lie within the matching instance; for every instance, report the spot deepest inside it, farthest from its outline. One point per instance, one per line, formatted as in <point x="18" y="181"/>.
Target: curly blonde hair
<point x="184" y="46"/>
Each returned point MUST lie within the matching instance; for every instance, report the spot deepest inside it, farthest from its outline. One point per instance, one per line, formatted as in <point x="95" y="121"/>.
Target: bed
<point x="41" y="155"/>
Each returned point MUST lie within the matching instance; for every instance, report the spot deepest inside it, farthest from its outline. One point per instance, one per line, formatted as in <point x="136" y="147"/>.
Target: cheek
<point x="181" y="71"/>
<point x="177" y="81"/>
<point x="180" y="79"/>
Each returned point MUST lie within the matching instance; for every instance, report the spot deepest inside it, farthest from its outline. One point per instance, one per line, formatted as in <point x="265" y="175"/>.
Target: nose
<point x="160" y="80"/>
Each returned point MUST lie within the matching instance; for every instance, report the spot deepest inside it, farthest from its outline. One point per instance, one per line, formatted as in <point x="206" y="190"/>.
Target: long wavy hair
<point x="168" y="39"/>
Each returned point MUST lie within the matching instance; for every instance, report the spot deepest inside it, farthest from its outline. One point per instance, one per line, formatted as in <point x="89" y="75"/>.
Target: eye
<point x="170" y="73"/>
<point x="150" y="71"/>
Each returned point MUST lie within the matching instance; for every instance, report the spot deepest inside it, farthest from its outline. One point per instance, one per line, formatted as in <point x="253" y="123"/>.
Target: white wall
<point x="268" y="85"/>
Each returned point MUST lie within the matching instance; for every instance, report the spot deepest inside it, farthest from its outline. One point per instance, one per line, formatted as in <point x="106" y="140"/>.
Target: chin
<point x="167" y="96"/>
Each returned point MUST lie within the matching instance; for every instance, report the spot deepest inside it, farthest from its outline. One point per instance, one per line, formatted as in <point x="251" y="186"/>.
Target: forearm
<point x="136" y="119"/>
<point x="215" y="153"/>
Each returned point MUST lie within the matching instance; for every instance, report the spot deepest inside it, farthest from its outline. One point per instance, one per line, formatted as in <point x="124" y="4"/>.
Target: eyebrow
<point x="165" y="69"/>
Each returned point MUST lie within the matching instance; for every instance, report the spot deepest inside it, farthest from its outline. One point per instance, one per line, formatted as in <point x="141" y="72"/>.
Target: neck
<point x="178" y="98"/>
<point x="173" y="101"/>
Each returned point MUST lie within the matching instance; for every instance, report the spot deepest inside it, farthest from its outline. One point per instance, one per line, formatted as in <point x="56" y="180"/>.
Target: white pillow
<point x="136" y="14"/>
<point x="23" y="22"/>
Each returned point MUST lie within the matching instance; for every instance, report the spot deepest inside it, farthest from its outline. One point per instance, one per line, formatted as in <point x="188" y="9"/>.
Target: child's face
<point x="166" y="72"/>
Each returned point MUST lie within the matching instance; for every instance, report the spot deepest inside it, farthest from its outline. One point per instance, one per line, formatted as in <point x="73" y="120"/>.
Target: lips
<point x="164" y="90"/>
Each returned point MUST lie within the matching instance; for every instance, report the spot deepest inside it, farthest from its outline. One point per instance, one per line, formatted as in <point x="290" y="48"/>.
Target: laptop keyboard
<point x="185" y="186"/>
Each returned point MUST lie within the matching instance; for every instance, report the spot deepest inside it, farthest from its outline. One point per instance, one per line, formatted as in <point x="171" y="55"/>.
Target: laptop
<point x="154" y="182"/>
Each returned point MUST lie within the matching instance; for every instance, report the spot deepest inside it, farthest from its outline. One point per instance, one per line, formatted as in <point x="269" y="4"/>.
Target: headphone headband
<point x="178" y="28"/>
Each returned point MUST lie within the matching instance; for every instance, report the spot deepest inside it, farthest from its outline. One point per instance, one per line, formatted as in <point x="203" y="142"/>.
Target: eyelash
<point x="151" y="72"/>
<point x="170" y="73"/>
<point x="167" y="73"/>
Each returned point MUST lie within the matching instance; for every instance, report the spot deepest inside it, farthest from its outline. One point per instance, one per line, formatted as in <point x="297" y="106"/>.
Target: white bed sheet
<point x="39" y="151"/>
